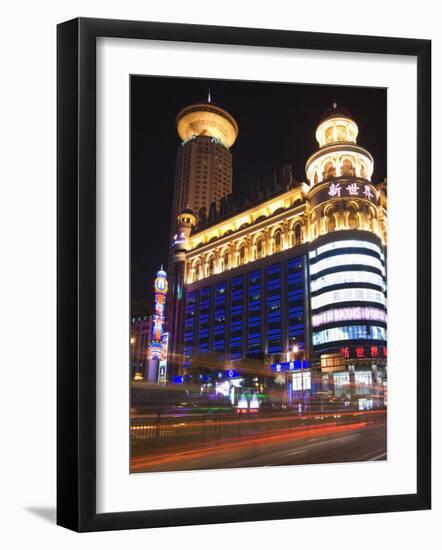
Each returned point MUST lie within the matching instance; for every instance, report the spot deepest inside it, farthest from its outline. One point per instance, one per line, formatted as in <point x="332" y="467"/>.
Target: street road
<point x="359" y="441"/>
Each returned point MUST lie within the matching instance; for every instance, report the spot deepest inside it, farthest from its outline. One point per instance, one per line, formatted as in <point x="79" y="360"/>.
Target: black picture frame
<point x="76" y="273"/>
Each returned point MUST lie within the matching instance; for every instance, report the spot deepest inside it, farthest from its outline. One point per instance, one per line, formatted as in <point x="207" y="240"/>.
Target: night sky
<point x="277" y="124"/>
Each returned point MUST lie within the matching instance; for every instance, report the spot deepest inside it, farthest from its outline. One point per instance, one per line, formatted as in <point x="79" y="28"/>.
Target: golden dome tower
<point x="206" y="119"/>
<point x="204" y="162"/>
<point x="339" y="154"/>
<point x="341" y="194"/>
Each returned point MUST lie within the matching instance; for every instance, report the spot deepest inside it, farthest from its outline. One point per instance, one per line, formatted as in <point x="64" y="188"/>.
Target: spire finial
<point x="209" y="99"/>
<point x="335" y="105"/>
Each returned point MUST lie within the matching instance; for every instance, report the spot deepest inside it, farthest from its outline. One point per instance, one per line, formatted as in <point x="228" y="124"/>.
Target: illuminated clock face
<point x="161" y="285"/>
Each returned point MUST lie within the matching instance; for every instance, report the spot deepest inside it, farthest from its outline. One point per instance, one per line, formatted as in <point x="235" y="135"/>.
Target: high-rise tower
<point x="204" y="161"/>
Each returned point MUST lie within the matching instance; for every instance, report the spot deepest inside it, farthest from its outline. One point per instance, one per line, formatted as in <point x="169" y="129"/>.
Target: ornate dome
<point x="336" y="126"/>
<point x="339" y="154"/>
<point x="187" y="210"/>
<point x="335" y="111"/>
<point x="207" y="119"/>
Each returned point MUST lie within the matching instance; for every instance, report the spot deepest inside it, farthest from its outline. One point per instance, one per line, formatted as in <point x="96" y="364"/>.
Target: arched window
<point x="372" y="220"/>
<point x="297" y="234"/>
<point x="242" y="254"/>
<point x="331" y="223"/>
<point x="198" y="271"/>
<point x="259" y="249"/>
<point x="353" y="218"/>
<point x="211" y="266"/>
<point x="277" y="241"/>
<point x="341" y="133"/>
<point x="347" y="168"/>
<point x="226" y="260"/>
<point x="329" y="171"/>
<point x="329" y="137"/>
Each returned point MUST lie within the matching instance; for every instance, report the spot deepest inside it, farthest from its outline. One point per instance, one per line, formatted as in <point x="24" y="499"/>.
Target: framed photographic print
<point x="243" y="274"/>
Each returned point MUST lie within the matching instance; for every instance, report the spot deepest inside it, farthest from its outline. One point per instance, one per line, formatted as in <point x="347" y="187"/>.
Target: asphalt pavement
<point x="332" y="444"/>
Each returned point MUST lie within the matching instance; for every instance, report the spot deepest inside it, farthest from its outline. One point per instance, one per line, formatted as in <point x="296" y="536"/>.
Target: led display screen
<point x="349" y="314"/>
<point x="353" y="332"/>
<point x="348" y="295"/>
<point x="351" y="243"/>
<point x="347" y="277"/>
<point x="346" y="259"/>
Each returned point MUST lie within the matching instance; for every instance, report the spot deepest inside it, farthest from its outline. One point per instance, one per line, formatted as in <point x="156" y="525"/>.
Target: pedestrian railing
<point x="163" y="431"/>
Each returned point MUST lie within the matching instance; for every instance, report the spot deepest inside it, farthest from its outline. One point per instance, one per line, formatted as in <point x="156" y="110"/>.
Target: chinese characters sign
<point x="351" y="190"/>
<point x="161" y="287"/>
<point x="364" y="352"/>
<point x="345" y="189"/>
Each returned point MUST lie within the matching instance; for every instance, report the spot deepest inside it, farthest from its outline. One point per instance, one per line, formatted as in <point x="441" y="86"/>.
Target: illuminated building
<point x="204" y="162"/>
<point x="347" y="261"/>
<point x="158" y="348"/>
<point x="203" y="172"/>
<point x="292" y="283"/>
<point x="140" y="333"/>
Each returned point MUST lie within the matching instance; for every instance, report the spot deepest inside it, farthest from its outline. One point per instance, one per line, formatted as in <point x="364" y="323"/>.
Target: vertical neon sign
<point x="157" y="342"/>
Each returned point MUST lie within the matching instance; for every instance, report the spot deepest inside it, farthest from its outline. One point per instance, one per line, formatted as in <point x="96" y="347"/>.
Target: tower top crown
<point x="336" y="126"/>
<point x="338" y="155"/>
<point x="207" y="119"/>
<point x="186" y="217"/>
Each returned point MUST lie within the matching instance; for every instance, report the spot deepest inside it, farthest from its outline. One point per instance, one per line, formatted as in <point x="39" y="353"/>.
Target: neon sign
<point x="156" y="348"/>
<point x="179" y="238"/>
<point x="290" y="365"/>
<point x="351" y="190"/>
<point x="364" y="352"/>
<point x="348" y="314"/>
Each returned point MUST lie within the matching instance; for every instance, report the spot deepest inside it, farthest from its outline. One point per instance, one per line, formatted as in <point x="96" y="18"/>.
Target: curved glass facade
<point x="349" y="243"/>
<point x="348" y="314"/>
<point x="348" y="295"/>
<point x="352" y="332"/>
<point x="345" y="277"/>
<point x="347" y="263"/>
<point x="345" y="260"/>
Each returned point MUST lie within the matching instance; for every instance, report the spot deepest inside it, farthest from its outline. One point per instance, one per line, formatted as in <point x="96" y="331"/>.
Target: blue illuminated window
<point x="254" y="338"/>
<point x="236" y="317"/>
<point x="189" y="324"/>
<point x="220" y="312"/>
<point x="274" y="319"/>
<point x="295" y="301"/>
<point x="204" y="320"/>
